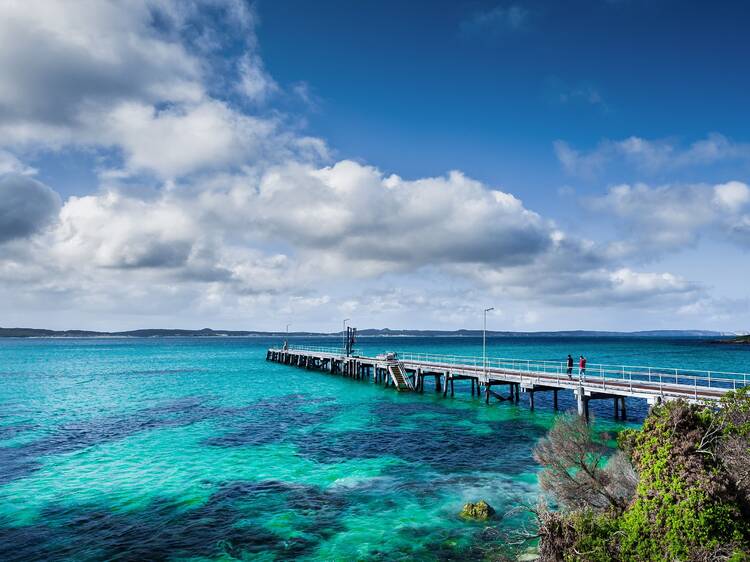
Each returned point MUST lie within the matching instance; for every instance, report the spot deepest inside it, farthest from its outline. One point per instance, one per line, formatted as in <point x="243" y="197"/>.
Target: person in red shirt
<point x="582" y="366"/>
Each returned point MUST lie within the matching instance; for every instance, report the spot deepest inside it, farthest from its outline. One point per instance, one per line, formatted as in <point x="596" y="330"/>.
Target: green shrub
<point x="593" y="537"/>
<point x="691" y="500"/>
<point x="681" y="505"/>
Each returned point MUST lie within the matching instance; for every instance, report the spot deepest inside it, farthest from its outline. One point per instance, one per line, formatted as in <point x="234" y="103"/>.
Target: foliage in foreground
<point x="691" y="501"/>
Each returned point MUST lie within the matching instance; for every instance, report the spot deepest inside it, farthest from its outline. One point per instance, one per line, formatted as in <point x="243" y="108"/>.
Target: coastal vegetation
<point x="676" y="489"/>
<point x="740" y="339"/>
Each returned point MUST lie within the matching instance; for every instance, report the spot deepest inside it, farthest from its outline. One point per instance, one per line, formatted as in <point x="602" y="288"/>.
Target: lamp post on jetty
<point x="484" y="341"/>
<point x="343" y="335"/>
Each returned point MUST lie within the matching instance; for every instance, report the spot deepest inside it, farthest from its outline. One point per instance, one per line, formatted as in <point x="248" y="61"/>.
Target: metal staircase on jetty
<point x="399" y="378"/>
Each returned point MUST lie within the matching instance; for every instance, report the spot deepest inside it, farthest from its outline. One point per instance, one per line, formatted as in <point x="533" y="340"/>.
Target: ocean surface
<point x="198" y="449"/>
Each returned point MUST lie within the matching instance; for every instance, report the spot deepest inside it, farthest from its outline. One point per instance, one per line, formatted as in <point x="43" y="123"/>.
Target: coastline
<point x="41" y="333"/>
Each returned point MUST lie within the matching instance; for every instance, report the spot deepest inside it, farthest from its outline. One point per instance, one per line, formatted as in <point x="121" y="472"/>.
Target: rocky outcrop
<point x="480" y="511"/>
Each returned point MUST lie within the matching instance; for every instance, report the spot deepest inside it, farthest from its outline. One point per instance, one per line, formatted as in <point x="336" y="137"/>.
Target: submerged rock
<point x="481" y="511"/>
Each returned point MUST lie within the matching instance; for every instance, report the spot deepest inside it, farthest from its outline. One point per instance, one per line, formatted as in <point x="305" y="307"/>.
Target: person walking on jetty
<point x="570" y="366"/>
<point x="582" y="367"/>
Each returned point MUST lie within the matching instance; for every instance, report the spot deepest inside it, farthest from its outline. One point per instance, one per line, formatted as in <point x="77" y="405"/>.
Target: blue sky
<point x="417" y="89"/>
<point x="579" y="165"/>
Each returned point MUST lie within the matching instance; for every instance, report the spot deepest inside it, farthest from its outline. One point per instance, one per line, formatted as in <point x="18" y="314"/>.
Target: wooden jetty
<point x="409" y="371"/>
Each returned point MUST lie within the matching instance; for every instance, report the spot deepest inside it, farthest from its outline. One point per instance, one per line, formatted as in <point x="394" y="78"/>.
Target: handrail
<point x="661" y="375"/>
<point x="314" y="348"/>
<point x="694" y="377"/>
<point x="589" y="365"/>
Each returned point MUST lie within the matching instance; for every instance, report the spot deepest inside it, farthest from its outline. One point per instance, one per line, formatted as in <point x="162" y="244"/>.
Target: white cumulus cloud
<point x="649" y="156"/>
<point x="672" y="217"/>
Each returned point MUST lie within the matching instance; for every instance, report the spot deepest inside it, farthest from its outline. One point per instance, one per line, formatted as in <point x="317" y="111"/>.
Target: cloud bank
<point x="213" y="205"/>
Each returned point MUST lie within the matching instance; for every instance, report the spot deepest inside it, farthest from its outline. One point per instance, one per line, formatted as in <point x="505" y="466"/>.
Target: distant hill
<point x="146" y="333"/>
<point x="371" y="332"/>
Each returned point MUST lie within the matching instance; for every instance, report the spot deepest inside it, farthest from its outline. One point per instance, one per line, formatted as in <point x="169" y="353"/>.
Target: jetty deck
<point x="406" y="371"/>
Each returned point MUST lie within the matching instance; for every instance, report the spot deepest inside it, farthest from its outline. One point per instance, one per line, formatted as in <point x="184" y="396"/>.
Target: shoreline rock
<point x="479" y="511"/>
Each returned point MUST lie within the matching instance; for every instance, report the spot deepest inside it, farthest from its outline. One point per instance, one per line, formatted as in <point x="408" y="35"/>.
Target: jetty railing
<point x="602" y="373"/>
<point x="621" y="373"/>
<point x="317" y="349"/>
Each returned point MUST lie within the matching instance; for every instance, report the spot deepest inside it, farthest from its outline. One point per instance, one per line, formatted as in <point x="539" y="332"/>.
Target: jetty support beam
<point x="532" y="389"/>
<point x="583" y="403"/>
<point x="489" y="392"/>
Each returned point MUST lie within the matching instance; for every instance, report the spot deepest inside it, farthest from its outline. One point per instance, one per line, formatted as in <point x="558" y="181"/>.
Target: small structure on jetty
<point x="410" y="372"/>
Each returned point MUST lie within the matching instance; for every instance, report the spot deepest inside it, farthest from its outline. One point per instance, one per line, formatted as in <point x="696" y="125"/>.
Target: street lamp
<point x="286" y="341"/>
<point x="484" y="342"/>
<point x="343" y="334"/>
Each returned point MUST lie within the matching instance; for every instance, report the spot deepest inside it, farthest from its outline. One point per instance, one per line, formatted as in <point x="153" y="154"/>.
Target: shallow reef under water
<point x="197" y="448"/>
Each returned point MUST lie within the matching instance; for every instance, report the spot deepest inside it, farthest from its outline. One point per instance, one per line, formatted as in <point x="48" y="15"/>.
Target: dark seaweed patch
<point x="390" y="414"/>
<point x="268" y="421"/>
<point x="321" y="508"/>
<point x="225" y="524"/>
<point x="272" y="420"/>
<point x="441" y="445"/>
<point x="159" y="534"/>
<point x="19" y="461"/>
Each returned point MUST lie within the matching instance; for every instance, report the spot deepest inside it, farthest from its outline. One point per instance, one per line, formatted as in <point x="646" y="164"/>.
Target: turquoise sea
<point x="198" y="449"/>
